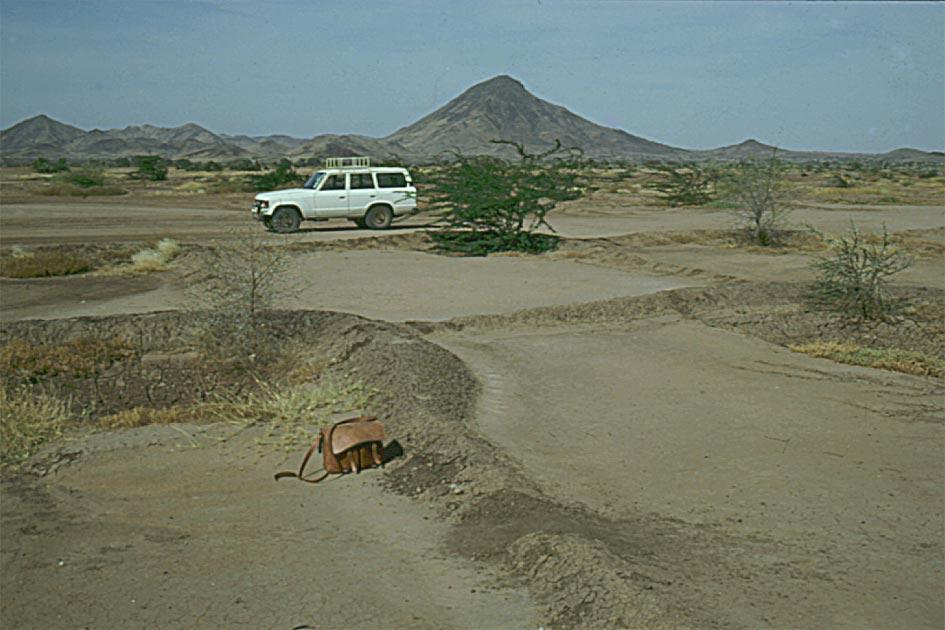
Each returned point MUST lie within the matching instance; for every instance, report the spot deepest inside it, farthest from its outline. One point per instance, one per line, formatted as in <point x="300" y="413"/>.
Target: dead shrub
<point x="763" y="198"/>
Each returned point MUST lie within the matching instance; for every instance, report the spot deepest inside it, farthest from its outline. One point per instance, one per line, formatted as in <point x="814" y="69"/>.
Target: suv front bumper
<point x="259" y="212"/>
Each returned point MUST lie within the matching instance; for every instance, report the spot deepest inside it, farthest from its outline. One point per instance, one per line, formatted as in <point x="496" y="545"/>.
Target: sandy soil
<point x="389" y="285"/>
<point x="716" y="429"/>
<point x="173" y="536"/>
<point x="634" y="465"/>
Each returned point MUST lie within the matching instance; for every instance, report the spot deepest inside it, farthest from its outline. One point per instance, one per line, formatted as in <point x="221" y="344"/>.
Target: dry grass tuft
<point x="80" y="357"/>
<point x="27" y="421"/>
<point x="156" y="258"/>
<point x="43" y="263"/>
<point x="288" y="414"/>
<point x="203" y="413"/>
<point x="892" y="359"/>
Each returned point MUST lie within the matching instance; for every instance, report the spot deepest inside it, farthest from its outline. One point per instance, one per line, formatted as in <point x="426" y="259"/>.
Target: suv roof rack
<point x="347" y="162"/>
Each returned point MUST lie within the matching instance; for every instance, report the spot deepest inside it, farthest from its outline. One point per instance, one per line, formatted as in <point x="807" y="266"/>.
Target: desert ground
<point x="613" y="434"/>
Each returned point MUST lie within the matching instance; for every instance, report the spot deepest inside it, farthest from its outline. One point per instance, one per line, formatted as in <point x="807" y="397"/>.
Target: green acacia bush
<point x="854" y="279"/>
<point x="42" y="165"/>
<point x="84" y="178"/>
<point x="494" y="205"/>
<point x="685" y="185"/>
<point x="151" y="167"/>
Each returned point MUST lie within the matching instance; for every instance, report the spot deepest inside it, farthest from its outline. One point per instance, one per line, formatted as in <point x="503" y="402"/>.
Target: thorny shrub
<point x="854" y="279"/>
<point x="497" y="205"/>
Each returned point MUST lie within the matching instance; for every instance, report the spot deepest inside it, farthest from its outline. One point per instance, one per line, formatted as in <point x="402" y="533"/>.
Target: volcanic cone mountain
<point x="501" y="108"/>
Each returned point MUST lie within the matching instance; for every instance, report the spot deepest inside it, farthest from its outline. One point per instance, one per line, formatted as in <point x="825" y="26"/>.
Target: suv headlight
<point x="262" y="203"/>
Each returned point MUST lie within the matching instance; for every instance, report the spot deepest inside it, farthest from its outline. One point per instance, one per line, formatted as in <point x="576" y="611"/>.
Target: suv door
<point x="331" y="200"/>
<point x="361" y="193"/>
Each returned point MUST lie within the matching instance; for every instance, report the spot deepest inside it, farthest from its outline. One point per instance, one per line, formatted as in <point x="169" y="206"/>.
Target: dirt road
<point x="81" y="222"/>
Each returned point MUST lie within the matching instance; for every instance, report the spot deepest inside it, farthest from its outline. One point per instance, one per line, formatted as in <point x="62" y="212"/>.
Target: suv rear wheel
<point x="285" y="220"/>
<point x="378" y="217"/>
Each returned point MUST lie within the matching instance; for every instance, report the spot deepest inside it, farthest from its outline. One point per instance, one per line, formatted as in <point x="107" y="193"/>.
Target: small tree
<point x="688" y="185"/>
<point x="243" y="277"/>
<point x="496" y="205"/>
<point x="761" y="192"/>
<point x="86" y="177"/>
<point x="151" y="167"/>
<point x="854" y="279"/>
<point x="42" y="165"/>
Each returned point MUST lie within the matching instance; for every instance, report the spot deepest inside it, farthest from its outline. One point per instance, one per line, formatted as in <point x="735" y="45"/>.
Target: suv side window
<point x="361" y="180"/>
<point x="334" y="182"/>
<point x="391" y="180"/>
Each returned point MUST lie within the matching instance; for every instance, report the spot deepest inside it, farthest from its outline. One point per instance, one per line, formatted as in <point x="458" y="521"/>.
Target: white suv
<point x="347" y="188"/>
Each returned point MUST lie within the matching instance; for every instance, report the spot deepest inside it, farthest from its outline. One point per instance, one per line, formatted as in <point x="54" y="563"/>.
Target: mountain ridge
<point x="497" y="108"/>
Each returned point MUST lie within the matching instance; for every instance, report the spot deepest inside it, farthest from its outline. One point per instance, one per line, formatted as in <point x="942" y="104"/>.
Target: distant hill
<point x="747" y="150"/>
<point x="499" y="108"/>
<point x="37" y="135"/>
<point x="42" y="136"/>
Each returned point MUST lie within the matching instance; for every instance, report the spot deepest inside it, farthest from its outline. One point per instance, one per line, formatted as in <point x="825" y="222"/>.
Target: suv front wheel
<point x="285" y="220"/>
<point x="378" y="217"/>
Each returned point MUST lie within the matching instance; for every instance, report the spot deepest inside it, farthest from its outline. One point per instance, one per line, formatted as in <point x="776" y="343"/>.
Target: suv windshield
<point x="314" y="179"/>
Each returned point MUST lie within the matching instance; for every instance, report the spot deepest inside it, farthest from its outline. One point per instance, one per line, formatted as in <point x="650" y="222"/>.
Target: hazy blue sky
<point x="827" y="76"/>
